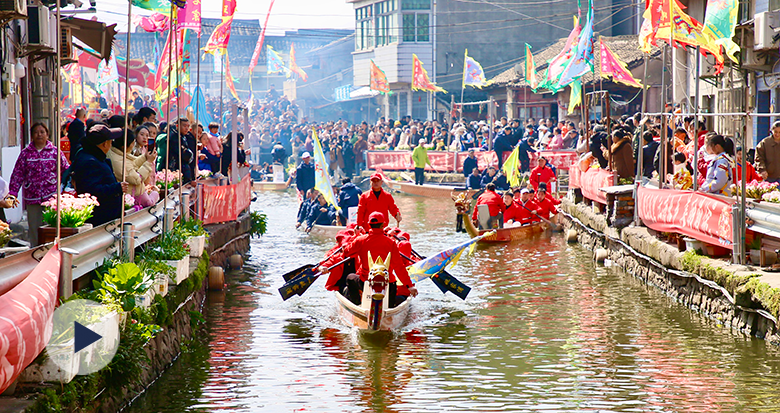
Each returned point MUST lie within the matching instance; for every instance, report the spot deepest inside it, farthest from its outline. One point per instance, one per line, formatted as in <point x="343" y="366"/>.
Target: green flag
<point x="160" y="6"/>
<point x="511" y="168"/>
<point x="575" y="95"/>
<point x="719" y="23"/>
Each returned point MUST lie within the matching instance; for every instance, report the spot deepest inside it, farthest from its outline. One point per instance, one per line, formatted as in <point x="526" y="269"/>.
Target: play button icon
<point x="83" y="337"/>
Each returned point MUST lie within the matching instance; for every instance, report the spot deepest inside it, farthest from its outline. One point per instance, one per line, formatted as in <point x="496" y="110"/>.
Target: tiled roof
<point x="625" y="47"/>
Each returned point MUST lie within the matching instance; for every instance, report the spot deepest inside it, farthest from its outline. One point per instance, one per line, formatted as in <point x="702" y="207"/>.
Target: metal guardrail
<point x="765" y="217"/>
<point x="93" y="246"/>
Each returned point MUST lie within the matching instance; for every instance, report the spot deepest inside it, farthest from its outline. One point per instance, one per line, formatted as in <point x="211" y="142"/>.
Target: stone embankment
<point x="736" y="296"/>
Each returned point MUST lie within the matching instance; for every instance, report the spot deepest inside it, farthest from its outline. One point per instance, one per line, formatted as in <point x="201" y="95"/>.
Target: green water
<point x="543" y="329"/>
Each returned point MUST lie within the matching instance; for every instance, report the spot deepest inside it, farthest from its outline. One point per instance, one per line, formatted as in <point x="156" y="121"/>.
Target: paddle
<point x="552" y="226"/>
<point x="444" y="280"/>
<point x="294" y="273"/>
<point x="301" y="283"/>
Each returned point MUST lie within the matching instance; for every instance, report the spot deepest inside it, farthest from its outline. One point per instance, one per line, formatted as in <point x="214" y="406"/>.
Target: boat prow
<point x="357" y="316"/>
<point x="269" y="186"/>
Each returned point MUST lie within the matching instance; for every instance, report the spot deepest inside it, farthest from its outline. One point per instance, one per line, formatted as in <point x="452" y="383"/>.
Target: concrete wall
<point x="394" y="59"/>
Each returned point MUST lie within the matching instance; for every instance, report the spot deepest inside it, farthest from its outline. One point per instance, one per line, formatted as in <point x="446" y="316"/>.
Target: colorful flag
<point x="107" y="74"/>
<point x="530" y="68"/>
<point x="189" y="16"/>
<point x="378" y="79"/>
<point x="274" y="62"/>
<point x="511" y="168"/>
<point x="557" y="64"/>
<point x="157" y="22"/>
<point x="611" y="65"/>
<point x="473" y="74"/>
<point x="198" y="105"/>
<point x="420" y="79"/>
<point x="321" y="181"/>
<point x="160" y="6"/>
<point x="229" y="77"/>
<point x="719" y="24"/>
<point x="294" y="66"/>
<point x="221" y="36"/>
<point x="575" y="95"/>
<point x="582" y="61"/>
<point x="259" y="46"/>
<point x="437" y="263"/>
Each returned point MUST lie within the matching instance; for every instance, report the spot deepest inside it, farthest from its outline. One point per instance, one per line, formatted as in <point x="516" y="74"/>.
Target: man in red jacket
<point x="379" y="245"/>
<point x="376" y="200"/>
<point x="528" y="208"/>
<point x="493" y="201"/>
<point x="546" y="204"/>
<point x="336" y="279"/>
<point x="542" y="173"/>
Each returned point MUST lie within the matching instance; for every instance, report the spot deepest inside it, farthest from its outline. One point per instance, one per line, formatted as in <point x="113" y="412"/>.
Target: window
<point x="416" y="4"/>
<point x="415" y="27"/>
<point x="376" y="24"/>
<point x="386" y="21"/>
<point x="364" y="35"/>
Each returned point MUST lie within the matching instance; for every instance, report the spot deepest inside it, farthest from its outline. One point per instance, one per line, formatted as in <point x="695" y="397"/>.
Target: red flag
<point x="229" y="77"/>
<point x="259" y="46"/>
<point x="611" y="65"/>
<point x="378" y="79"/>
<point x="420" y="80"/>
<point x="221" y="36"/>
<point x="294" y="66"/>
<point x="189" y="16"/>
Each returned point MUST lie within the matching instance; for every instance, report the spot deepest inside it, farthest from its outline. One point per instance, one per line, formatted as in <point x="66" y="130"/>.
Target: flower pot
<point x="197" y="244"/>
<point x="145" y="300"/>
<point x="182" y="268"/>
<point x="161" y="285"/>
<point x="694" y="245"/>
<point x="46" y="234"/>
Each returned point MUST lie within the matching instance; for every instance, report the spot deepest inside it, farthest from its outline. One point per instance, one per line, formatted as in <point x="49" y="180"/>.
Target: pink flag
<point x="189" y="16"/>
<point x="611" y="65"/>
<point x="155" y="23"/>
<point x="259" y="46"/>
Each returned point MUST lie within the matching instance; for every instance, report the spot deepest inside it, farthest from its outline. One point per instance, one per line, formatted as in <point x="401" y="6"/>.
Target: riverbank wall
<point x="180" y="318"/>
<point x="737" y="297"/>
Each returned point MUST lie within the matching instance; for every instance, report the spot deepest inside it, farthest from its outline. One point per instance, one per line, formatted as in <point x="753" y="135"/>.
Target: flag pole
<point x="168" y="116"/>
<point x="695" y="136"/>
<point x="127" y="123"/>
<point x="640" y="157"/>
<point x="463" y="84"/>
<point x="197" y="87"/>
<point x="179" y="61"/>
<point x="56" y="127"/>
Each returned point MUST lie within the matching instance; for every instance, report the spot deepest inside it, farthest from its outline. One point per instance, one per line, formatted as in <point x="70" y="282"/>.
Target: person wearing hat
<point x="378" y="245"/>
<point x="304" y="174"/>
<point x="77" y="129"/>
<point x="528" y="208"/>
<point x="337" y="279"/>
<point x="420" y="159"/>
<point x="495" y="206"/>
<point x="377" y="200"/>
<point x="470" y="163"/>
<point x="92" y="174"/>
<point x="541" y="173"/>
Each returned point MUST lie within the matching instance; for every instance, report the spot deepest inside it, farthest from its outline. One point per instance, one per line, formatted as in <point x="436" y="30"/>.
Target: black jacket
<point x="468" y="166"/>
<point x="475" y="182"/>
<point x="502" y="143"/>
<point x="77" y="131"/>
<point x="304" y="177"/>
<point x="349" y="196"/>
<point x="648" y="158"/>
<point x="92" y="174"/>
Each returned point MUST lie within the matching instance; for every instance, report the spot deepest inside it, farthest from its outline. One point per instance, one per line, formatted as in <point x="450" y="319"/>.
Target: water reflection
<point x="542" y="330"/>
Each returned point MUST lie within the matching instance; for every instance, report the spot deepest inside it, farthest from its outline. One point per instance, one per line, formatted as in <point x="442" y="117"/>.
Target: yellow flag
<point x="511" y="168"/>
<point x="575" y="95"/>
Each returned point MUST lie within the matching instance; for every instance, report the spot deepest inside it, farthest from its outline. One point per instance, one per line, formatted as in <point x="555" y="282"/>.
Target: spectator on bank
<point x="768" y="155"/>
<point x="470" y="163"/>
<point x="35" y="172"/>
<point x="359" y="148"/>
<point x="77" y="130"/>
<point x="138" y="169"/>
<point x="719" y="172"/>
<point x="622" y="154"/>
<point x="648" y="154"/>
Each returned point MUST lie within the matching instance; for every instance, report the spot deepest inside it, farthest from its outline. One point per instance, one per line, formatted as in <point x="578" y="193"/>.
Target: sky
<point x="286" y="14"/>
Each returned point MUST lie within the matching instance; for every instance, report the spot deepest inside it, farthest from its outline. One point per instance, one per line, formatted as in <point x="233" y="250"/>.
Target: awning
<point x="362" y="93"/>
<point x="94" y="34"/>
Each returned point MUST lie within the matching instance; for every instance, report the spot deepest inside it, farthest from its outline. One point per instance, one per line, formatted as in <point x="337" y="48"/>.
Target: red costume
<point x="752" y="175"/>
<point x="542" y="174"/>
<point x="494" y="202"/>
<point x="526" y="216"/>
<point x="546" y="207"/>
<point x="342" y="239"/>
<point x="369" y="202"/>
<point x="514" y="212"/>
<point x="379" y="245"/>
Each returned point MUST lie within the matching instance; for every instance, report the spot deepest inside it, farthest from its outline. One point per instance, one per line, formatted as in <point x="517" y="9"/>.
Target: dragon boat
<point x="509" y="234"/>
<point x="427" y="190"/>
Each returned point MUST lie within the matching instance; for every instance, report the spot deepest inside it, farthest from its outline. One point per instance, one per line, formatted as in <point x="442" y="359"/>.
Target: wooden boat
<point x="326" y="230"/>
<point x="374" y="313"/>
<point x="509" y="234"/>
<point x="428" y="190"/>
<point x="269" y="186"/>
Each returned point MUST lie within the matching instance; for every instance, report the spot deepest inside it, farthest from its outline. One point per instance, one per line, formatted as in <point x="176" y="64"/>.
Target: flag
<point x="473" y="74"/>
<point x="420" y="80"/>
<point x="582" y="60"/>
<point x="511" y="168"/>
<point x="437" y="263"/>
<point x="557" y="64"/>
<point x="611" y="65"/>
<point x="107" y="74"/>
<point x="719" y="23"/>
<point x="294" y="66"/>
<point x="219" y="39"/>
<point x="321" y="181"/>
<point x="160" y="6"/>
<point x="530" y="68"/>
<point x="575" y="95"/>
<point x="189" y="16"/>
<point x="157" y="22"/>
<point x="378" y="79"/>
<point x="229" y="78"/>
<point x="259" y="46"/>
<point x="274" y="62"/>
<point x="198" y="102"/>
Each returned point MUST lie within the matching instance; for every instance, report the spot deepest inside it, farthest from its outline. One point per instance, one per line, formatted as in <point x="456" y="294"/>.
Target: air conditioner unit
<point x="66" y="46"/>
<point x="754" y="60"/>
<point x="765" y="24"/>
<point x="38" y="26"/>
<point x="13" y="9"/>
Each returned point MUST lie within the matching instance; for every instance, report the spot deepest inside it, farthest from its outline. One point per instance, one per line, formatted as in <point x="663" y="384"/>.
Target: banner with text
<point x="224" y="203"/>
<point x="453" y="161"/>
<point x="698" y="215"/>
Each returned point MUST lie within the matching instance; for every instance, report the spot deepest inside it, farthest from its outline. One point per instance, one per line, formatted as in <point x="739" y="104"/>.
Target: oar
<point x="552" y="226"/>
<point x="294" y="273"/>
<point x="301" y="283"/>
<point x="444" y="280"/>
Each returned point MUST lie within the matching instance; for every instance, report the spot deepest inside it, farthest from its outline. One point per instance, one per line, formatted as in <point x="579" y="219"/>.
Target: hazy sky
<point x="286" y="14"/>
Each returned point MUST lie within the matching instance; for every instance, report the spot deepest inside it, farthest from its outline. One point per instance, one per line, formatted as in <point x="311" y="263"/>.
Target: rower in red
<point x="376" y="200"/>
<point x="495" y="207"/>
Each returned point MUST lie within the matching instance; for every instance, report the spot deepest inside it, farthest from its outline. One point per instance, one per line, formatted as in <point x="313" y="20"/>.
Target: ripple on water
<point x="542" y="330"/>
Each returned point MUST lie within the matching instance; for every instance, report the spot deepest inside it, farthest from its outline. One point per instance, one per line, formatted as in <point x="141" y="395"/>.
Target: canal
<point x="544" y="329"/>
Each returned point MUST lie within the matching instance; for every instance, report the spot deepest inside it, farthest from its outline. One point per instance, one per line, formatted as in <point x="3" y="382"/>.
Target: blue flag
<point x="437" y="263"/>
<point x="274" y="63"/>
<point x="199" y="101"/>
<point x="582" y="61"/>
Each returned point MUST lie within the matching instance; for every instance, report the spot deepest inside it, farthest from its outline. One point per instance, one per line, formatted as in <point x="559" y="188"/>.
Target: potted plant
<point x="195" y="235"/>
<point x="167" y="179"/>
<point x="159" y="270"/>
<point x="5" y="234"/>
<point x="74" y="213"/>
<point x="171" y="249"/>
